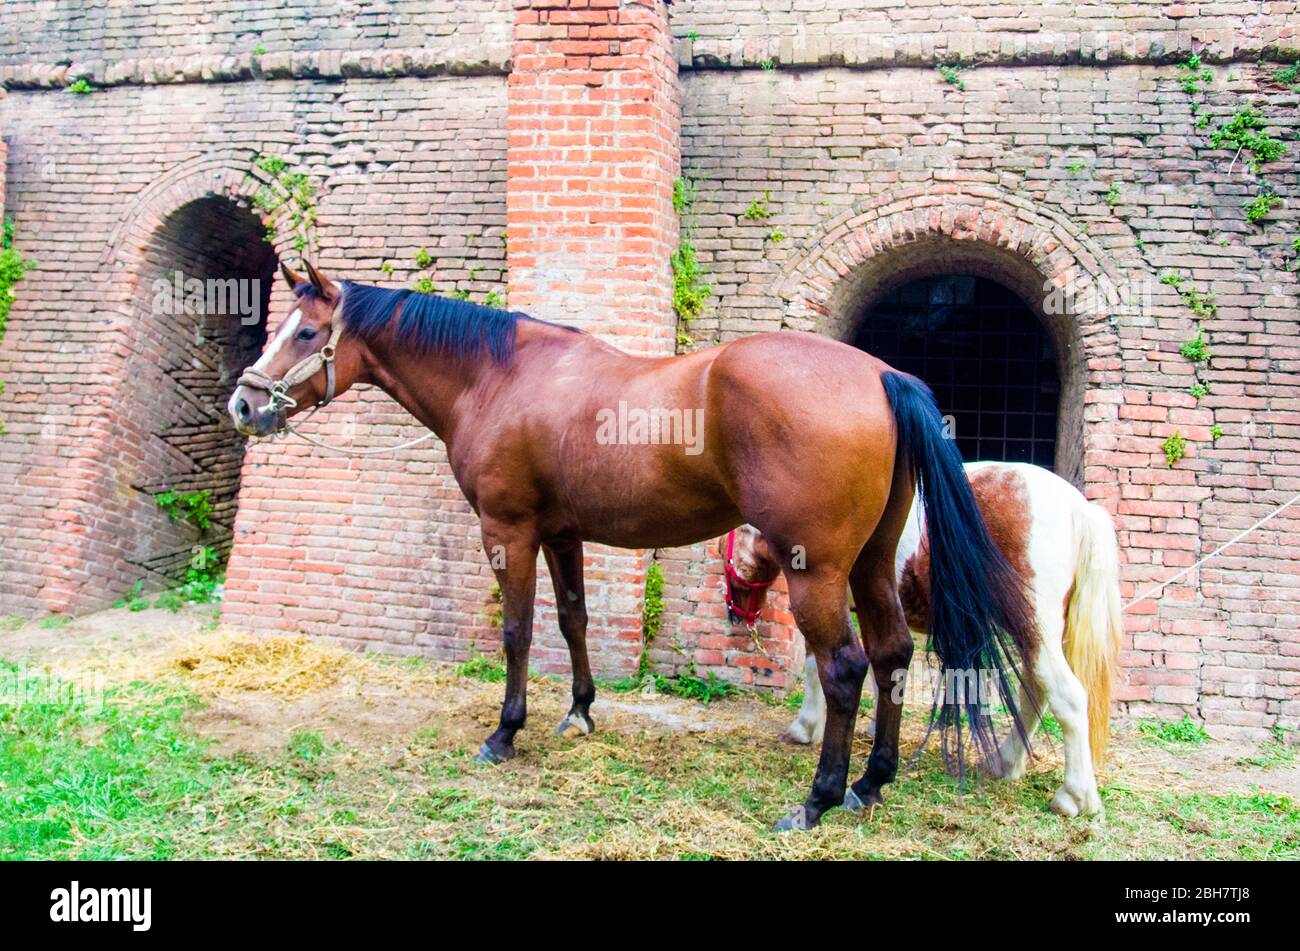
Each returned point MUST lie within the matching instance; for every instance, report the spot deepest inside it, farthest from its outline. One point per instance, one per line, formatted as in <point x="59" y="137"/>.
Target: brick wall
<point x="104" y="34"/>
<point x="878" y="176"/>
<point x="445" y="124"/>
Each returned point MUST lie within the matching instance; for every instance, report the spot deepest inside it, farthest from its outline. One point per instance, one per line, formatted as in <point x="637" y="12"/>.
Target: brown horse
<point x="557" y="438"/>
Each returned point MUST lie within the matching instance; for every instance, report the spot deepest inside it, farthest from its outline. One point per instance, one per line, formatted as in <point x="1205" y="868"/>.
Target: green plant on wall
<point x="1259" y="207"/>
<point x="1245" y="132"/>
<point x="951" y="74"/>
<point x="652" y="613"/>
<point x="289" y="192"/>
<point x="690" y="292"/>
<point x="1200" y="304"/>
<point x="1175" y="448"/>
<point x="758" y="209"/>
<point x="81" y="87"/>
<point x="206" y="569"/>
<point x="1196" y="349"/>
<point x="13" y="266"/>
<point x="1191" y="74"/>
<point x="423" y="283"/>
<point x="192" y="508"/>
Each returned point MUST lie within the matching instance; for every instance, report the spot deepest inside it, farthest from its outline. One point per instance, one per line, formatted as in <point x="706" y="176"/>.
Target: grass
<point x="1273" y="754"/>
<point x="135" y="779"/>
<point x="1184" y="731"/>
<point x="490" y="670"/>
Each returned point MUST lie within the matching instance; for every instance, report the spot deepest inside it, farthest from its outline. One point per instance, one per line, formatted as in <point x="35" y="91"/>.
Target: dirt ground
<point x="413" y="719"/>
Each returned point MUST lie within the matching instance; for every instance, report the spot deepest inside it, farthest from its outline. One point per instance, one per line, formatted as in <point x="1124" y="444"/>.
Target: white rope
<point x="1228" y="544"/>
<point x="358" y="452"/>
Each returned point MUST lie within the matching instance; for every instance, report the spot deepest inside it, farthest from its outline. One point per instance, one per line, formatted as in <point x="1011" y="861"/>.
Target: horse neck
<point x="427" y="385"/>
<point x="430" y="385"/>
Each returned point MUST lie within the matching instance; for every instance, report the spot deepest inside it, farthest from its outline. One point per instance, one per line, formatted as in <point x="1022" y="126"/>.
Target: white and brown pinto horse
<point x="1064" y="547"/>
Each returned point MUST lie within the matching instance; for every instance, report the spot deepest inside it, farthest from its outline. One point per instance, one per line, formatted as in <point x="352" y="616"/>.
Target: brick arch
<point x="233" y="174"/>
<point x="857" y="258"/>
<point x="150" y="388"/>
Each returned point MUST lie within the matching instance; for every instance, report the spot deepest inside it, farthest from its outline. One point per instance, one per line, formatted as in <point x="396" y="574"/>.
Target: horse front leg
<point x="512" y="552"/>
<point x="564" y="559"/>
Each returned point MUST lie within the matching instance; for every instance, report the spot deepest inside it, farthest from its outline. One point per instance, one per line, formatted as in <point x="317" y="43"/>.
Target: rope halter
<point x="300" y="372"/>
<point x="749" y="613"/>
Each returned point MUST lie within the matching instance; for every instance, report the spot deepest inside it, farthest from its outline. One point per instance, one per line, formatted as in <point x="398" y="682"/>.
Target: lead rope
<point x="1228" y="544"/>
<point x="356" y="452"/>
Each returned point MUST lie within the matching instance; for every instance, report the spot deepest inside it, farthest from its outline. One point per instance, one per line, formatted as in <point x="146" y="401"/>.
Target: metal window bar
<point x="984" y="353"/>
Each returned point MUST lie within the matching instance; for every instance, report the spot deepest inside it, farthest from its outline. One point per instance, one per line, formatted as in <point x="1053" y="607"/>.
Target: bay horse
<point x="818" y="444"/>
<point x="1064" y="547"/>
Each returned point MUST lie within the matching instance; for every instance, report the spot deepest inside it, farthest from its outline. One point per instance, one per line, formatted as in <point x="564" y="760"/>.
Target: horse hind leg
<point x="564" y="561"/>
<point x="817" y="600"/>
<point x="1069" y="703"/>
<point x="1054" y="683"/>
<point x="810" y="723"/>
<point x="1013" y="755"/>
<point x="889" y="647"/>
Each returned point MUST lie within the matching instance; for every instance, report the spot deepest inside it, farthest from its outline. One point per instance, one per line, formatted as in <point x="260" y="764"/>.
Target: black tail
<point x="977" y="600"/>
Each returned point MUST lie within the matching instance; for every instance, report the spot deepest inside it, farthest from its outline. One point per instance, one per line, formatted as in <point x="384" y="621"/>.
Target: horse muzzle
<point x="253" y="412"/>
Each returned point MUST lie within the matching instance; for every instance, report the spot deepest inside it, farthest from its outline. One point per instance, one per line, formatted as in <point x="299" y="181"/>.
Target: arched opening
<point x="986" y="355"/>
<point x="200" y="318"/>
<point x="985" y="326"/>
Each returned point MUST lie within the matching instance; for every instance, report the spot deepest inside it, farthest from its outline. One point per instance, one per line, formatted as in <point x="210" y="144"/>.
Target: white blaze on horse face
<point x="286" y="333"/>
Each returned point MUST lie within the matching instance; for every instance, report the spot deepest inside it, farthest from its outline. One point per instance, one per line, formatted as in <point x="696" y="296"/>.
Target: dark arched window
<point x="984" y="353"/>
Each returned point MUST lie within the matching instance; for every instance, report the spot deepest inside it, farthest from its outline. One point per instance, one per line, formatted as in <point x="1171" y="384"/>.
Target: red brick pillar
<point x="594" y="120"/>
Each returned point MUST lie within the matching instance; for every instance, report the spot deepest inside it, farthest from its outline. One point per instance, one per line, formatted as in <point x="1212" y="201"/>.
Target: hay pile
<point x="287" y="667"/>
<point x="284" y="666"/>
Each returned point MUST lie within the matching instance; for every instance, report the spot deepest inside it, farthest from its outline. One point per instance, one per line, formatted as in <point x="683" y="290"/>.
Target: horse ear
<point x="319" y="281"/>
<point x="290" y="278"/>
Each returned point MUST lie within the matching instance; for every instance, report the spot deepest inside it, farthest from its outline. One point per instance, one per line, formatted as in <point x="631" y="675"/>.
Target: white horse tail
<point x="1092" y="618"/>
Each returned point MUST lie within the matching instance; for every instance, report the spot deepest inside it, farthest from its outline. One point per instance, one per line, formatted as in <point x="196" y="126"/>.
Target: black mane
<point x="426" y="322"/>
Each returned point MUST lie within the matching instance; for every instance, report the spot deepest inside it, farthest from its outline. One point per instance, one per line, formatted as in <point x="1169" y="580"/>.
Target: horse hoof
<point x="491" y="757"/>
<point x="1067" y="804"/>
<point x="855" y="803"/>
<point x="1007" y="766"/>
<point x="794" y="820"/>
<point x="574" y="726"/>
<point x="796" y="735"/>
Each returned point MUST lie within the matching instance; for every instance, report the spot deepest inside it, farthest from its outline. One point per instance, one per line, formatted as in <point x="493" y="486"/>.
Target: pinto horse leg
<point x="564" y="559"/>
<point x="810" y="724"/>
<point x="1069" y="703"/>
<point x="823" y="617"/>
<point x="515" y="563"/>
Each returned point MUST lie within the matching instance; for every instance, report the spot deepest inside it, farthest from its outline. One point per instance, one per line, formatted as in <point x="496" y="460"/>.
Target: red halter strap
<point x="749" y="613"/>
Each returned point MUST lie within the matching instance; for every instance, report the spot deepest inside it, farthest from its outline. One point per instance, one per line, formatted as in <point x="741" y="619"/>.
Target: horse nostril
<point x="243" y="410"/>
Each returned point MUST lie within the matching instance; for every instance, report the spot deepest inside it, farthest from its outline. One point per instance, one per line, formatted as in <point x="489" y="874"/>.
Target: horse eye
<point x="306" y="333"/>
